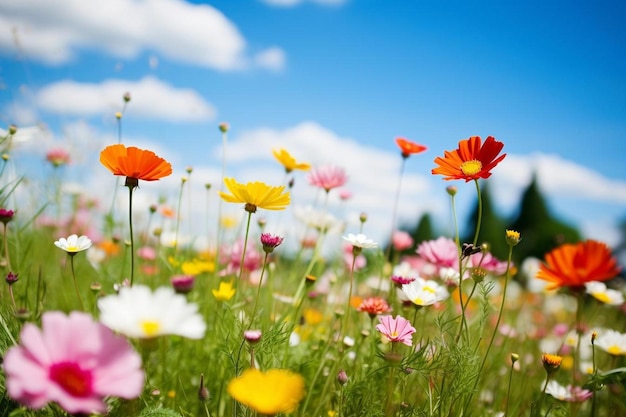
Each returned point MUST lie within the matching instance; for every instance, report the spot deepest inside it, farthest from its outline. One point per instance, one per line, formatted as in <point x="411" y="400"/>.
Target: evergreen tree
<point x="424" y="229"/>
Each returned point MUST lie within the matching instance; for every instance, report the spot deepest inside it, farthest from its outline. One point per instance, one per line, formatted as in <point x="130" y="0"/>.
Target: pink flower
<point x="396" y="330"/>
<point x="73" y="361"/>
<point x="401" y="240"/>
<point x="58" y="157"/>
<point x="441" y="252"/>
<point x="489" y="263"/>
<point x="231" y="257"/>
<point x="147" y="253"/>
<point x="270" y="242"/>
<point x="183" y="284"/>
<point x="400" y="281"/>
<point x="327" y="177"/>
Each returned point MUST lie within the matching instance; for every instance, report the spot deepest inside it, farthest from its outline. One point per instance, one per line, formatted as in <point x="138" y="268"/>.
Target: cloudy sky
<point x="333" y="82"/>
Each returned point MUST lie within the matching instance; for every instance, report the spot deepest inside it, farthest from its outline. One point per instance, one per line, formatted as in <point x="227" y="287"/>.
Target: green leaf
<point x="158" y="412"/>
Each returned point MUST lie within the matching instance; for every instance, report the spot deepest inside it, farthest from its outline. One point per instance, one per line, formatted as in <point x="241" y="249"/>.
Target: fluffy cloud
<point x="52" y="31"/>
<point x="151" y="98"/>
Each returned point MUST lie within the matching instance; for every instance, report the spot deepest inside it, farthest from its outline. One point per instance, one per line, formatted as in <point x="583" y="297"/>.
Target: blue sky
<point x="334" y="82"/>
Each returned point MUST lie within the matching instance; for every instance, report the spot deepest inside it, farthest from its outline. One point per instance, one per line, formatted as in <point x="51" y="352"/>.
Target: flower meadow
<point x="120" y="323"/>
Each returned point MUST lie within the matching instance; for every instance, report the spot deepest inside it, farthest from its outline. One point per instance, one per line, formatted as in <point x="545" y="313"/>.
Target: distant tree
<point x="539" y="229"/>
<point x="424" y="229"/>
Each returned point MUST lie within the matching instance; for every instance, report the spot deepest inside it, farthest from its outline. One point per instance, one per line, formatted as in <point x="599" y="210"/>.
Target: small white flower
<point x="425" y="292"/>
<point x="73" y="244"/>
<point x="139" y="312"/>
<point x="612" y="342"/>
<point x="360" y="241"/>
<point x="600" y="292"/>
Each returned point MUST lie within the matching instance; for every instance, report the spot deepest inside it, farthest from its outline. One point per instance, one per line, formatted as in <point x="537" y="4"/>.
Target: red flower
<point x="471" y="161"/>
<point x="134" y="163"/>
<point x="573" y="265"/>
<point x="408" y="147"/>
<point x="374" y="306"/>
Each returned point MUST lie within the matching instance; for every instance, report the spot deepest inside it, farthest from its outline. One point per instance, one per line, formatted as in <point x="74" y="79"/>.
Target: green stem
<point x="355" y="252"/>
<point x="132" y="240"/>
<point x="258" y="293"/>
<point x="243" y="254"/>
<point x="394" y="213"/>
<point x="180" y="200"/>
<point x="80" y="300"/>
<point x="479" y="217"/>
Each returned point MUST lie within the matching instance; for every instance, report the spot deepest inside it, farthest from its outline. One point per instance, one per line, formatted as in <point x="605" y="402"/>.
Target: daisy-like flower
<point x="256" y="195"/>
<point x="374" y="306"/>
<point x="409" y="148"/>
<point x="396" y="329"/>
<point x="327" y="177"/>
<point x="289" y="162"/>
<point x="573" y="265"/>
<point x="551" y="363"/>
<point x="423" y="292"/>
<point x="600" y="292"/>
<point x="567" y="393"/>
<point x="139" y="312"/>
<point x="134" y="163"/>
<point x="73" y="244"/>
<point x="612" y="342"/>
<point x="269" y="393"/>
<point x="224" y="292"/>
<point x="73" y="361"/>
<point x="471" y="161"/>
<point x="360" y="241"/>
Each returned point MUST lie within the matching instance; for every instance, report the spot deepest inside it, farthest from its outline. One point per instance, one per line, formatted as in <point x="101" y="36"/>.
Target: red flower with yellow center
<point x="408" y="147"/>
<point x="134" y="163"/>
<point x="374" y="306"/>
<point x="573" y="265"/>
<point x="471" y="161"/>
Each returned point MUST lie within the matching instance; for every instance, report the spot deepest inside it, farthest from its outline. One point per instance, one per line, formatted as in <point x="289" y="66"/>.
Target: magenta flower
<point x="441" y="252"/>
<point x="6" y="215"/>
<point x="327" y="177"/>
<point x="183" y="284"/>
<point x="396" y="330"/>
<point x="400" y="280"/>
<point x="270" y="242"/>
<point x="73" y="361"/>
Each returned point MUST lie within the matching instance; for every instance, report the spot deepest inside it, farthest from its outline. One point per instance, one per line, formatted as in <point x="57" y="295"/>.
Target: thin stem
<point x="132" y="240"/>
<point x="258" y="292"/>
<point x="243" y="253"/>
<point x="394" y="213"/>
<point x="479" y="217"/>
<point x="6" y="247"/>
<point x="80" y="300"/>
<point x="355" y="252"/>
<point x="508" y="392"/>
<point x="180" y="199"/>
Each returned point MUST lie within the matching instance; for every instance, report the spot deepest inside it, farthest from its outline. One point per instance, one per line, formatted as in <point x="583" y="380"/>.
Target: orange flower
<point x="408" y="148"/>
<point x="470" y="161"/>
<point x="573" y="265"/>
<point x="135" y="163"/>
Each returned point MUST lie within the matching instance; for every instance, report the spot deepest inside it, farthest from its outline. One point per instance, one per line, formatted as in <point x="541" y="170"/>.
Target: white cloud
<point x="52" y="31"/>
<point x="273" y="59"/>
<point x="150" y="98"/>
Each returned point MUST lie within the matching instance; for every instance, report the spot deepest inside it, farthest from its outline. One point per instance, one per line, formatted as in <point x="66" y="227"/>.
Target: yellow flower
<point x="288" y="161"/>
<point x="197" y="266"/>
<point x="225" y="291"/>
<point x="272" y="392"/>
<point x="256" y="195"/>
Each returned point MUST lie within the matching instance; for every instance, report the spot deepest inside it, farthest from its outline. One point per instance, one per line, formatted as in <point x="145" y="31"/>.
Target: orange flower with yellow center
<point x="256" y="195"/>
<point x="573" y="265"/>
<point x="289" y="162"/>
<point x="471" y="161"/>
<point x="269" y="393"/>
<point x="134" y="163"/>
<point x="408" y="147"/>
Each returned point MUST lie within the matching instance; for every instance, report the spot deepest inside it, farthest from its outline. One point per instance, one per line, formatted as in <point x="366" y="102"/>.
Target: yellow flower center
<point x="429" y="289"/>
<point x="602" y="297"/>
<point x="72" y="249"/>
<point x="615" y="350"/>
<point x="150" y="327"/>
<point x="418" y="301"/>
<point x="472" y="167"/>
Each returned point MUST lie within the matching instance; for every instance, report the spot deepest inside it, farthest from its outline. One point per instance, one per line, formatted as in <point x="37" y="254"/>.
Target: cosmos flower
<point x="572" y="265"/>
<point x="374" y="306"/>
<point x="567" y="393"/>
<point x="471" y="161"/>
<point x="401" y="240"/>
<point x="409" y="148"/>
<point x="269" y="393"/>
<point x="327" y="177"/>
<point x="134" y="163"/>
<point x="270" y="242"/>
<point x="58" y="157"/>
<point x="600" y="292"/>
<point x="360" y="241"/>
<point x="288" y="161"/>
<point x="423" y="292"/>
<point x="73" y="244"/>
<point x="73" y="361"/>
<point x="256" y="195"/>
<point x="396" y="329"/>
<point x="612" y="342"/>
<point x="138" y="312"/>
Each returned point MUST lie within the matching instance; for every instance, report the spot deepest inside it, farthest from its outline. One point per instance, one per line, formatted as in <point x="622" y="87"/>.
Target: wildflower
<point x="203" y="392"/>
<point x="441" y="252"/>
<point x="327" y="177"/>
<point x="139" y="312"/>
<point x="11" y="278"/>
<point x="255" y="195"/>
<point x="270" y="242"/>
<point x="399" y="281"/>
<point x="600" y="292"/>
<point x="512" y="237"/>
<point x="224" y="127"/>
<point x="225" y="291"/>
<point x="342" y="377"/>
<point x="374" y="306"/>
<point x="269" y="393"/>
<point x="360" y="241"/>
<point x="612" y="342"/>
<point x="573" y="265"/>
<point x="73" y="361"/>
<point x="471" y="161"/>
<point x="401" y="240"/>
<point x="289" y="162"/>
<point x="6" y="216"/>
<point x="73" y="244"/>
<point x="396" y="330"/>
<point x="134" y="163"/>
<point x="252" y="336"/>
<point x="58" y="157"/>
<point x="408" y="147"/>
<point x="568" y="393"/>
<point x="551" y="363"/>
<point x="182" y="284"/>
<point x="425" y="292"/>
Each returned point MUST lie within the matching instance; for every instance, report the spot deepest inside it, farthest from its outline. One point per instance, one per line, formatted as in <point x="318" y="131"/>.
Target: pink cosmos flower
<point x="231" y="257"/>
<point x="58" y="157"/>
<point x="270" y="241"/>
<point x="396" y="330"/>
<point x="401" y="240"/>
<point x="441" y="252"/>
<point x="327" y="177"/>
<point x="73" y="361"/>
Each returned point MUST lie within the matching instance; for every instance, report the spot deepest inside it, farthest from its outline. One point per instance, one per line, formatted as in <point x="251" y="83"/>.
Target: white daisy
<point x="360" y="241"/>
<point x="612" y="342"/>
<point x="425" y="292"/>
<point x="73" y="244"/>
<point x="139" y="312"/>
<point x="600" y="292"/>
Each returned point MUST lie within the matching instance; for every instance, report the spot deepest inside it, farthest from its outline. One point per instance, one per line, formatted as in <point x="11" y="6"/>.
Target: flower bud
<point x="342" y="377"/>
